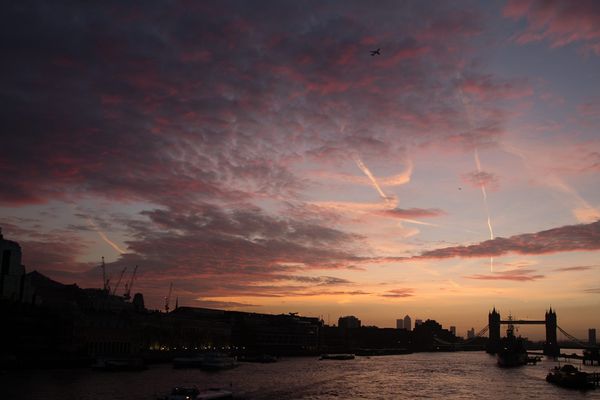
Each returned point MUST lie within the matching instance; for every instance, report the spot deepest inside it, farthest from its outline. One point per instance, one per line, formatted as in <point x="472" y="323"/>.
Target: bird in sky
<point x="375" y="52"/>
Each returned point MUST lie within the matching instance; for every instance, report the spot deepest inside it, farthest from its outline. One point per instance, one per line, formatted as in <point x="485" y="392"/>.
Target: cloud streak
<point x="583" y="237"/>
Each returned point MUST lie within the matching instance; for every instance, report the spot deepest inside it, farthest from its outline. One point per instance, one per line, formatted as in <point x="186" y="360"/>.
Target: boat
<point x="119" y="364"/>
<point x="260" y="358"/>
<point x="570" y="377"/>
<point x="337" y="357"/>
<point x="218" y="361"/>
<point x="193" y="393"/>
<point x="512" y="352"/>
<point x="207" y="361"/>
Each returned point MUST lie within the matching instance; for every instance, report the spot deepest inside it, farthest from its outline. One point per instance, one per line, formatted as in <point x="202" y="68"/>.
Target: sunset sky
<point x="255" y="154"/>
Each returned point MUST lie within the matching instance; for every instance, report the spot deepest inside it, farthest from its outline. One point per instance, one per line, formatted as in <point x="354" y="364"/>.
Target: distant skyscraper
<point x="471" y="333"/>
<point x="453" y="330"/>
<point x="407" y="323"/>
<point x="592" y="336"/>
<point x="348" y="322"/>
<point x="418" y="322"/>
<point x="399" y="324"/>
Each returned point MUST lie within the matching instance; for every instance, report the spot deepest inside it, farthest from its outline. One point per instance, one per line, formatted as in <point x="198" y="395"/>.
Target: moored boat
<point x="259" y="358"/>
<point x="569" y="377"/>
<point x="207" y="361"/>
<point x="337" y="357"/>
<point x="512" y="352"/>
<point x="193" y="393"/>
<point x="119" y="364"/>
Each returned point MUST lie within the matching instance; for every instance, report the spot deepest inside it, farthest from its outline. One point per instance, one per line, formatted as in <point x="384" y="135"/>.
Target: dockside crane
<point x="168" y="298"/>
<point x="105" y="280"/>
<point x="129" y="285"/>
<point x="114" y="292"/>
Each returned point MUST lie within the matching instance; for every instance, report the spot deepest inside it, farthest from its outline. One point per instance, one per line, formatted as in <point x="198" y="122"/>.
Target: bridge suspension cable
<point x="477" y="335"/>
<point x="573" y="338"/>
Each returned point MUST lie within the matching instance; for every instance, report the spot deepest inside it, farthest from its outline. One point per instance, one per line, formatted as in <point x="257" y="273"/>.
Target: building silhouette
<point x="407" y="323"/>
<point x="592" y="336"/>
<point x="453" y="330"/>
<point x="418" y="322"/>
<point x="399" y="324"/>
<point x="348" y="322"/>
<point x="471" y="333"/>
<point x="12" y="273"/>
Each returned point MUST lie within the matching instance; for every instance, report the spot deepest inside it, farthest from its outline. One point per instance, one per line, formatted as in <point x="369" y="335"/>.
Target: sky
<point x="256" y="156"/>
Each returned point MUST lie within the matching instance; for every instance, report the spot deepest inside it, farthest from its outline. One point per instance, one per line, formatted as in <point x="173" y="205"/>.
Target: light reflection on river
<point x="461" y="375"/>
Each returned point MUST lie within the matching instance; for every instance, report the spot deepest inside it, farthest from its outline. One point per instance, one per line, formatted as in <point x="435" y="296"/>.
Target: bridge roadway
<point x="523" y="322"/>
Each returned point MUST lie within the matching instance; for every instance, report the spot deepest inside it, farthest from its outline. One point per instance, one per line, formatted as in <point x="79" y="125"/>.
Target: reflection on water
<point x="420" y="375"/>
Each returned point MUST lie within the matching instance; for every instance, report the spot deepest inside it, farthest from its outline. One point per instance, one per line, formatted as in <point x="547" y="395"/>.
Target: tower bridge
<point x="551" y="347"/>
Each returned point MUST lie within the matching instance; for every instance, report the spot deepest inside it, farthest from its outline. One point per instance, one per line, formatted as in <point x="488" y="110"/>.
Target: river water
<point x="460" y="375"/>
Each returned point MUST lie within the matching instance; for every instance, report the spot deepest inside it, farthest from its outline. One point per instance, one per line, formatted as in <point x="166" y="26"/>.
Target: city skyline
<point x="260" y="157"/>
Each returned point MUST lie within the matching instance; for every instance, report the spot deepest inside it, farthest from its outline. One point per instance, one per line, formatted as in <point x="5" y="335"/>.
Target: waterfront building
<point x="399" y="324"/>
<point x="592" y="336"/>
<point x="407" y="323"/>
<point x="471" y="333"/>
<point x="348" y="322"/>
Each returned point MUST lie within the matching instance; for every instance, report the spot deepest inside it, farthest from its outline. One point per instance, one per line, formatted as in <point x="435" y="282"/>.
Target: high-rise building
<point x="407" y="323"/>
<point x="418" y="322"/>
<point x="399" y="324"/>
<point x="592" y="336"/>
<point x="471" y="333"/>
<point x="453" y="330"/>
<point x="348" y="322"/>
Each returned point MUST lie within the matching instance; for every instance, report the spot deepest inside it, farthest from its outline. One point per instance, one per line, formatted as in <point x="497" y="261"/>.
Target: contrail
<point x="485" y="203"/>
<point x="105" y="238"/>
<point x="368" y="173"/>
<point x="478" y="164"/>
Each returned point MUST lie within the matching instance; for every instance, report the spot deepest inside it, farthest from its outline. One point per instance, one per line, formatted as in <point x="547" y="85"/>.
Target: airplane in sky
<point x="375" y="52"/>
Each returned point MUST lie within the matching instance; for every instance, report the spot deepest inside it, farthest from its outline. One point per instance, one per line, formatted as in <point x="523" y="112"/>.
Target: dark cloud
<point x="215" y="100"/>
<point x="578" y="268"/>
<point x="583" y="237"/>
<point x="517" y="275"/>
<point x="399" y="293"/>
<point x="413" y="213"/>
<point x="221" y="304"/>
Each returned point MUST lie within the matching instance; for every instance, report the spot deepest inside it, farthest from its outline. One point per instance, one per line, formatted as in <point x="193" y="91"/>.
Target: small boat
<point x="207" y="361"/>
<point x="337" y="357"/>
<point x="193" y="393"/>
<point x="260" y="358"/>
<point x="569" y="377"/>
<point x="119" y="364"/>
<point x="218" y="361"/>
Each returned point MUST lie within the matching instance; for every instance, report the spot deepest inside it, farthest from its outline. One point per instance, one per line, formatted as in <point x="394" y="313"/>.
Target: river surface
<point x="460" y="375"/>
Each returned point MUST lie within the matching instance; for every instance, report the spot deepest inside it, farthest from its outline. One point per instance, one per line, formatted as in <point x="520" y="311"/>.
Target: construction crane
<point x="129" y="284"/>
<point x="105" y="280"/>
<point x="168" y="298"/>
<point x="119" y="281"/>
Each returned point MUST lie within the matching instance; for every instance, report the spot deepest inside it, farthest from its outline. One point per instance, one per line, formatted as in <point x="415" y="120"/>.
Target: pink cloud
<point x="412" y="213"/>
<point x="559" y="22"/>
<point x="481" y="178"/>
<point x="485" y="87"/>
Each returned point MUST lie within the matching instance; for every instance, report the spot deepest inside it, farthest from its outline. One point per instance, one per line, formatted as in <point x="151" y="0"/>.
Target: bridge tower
<point x="494" y="329"/>
<point x="551" y="346"/>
